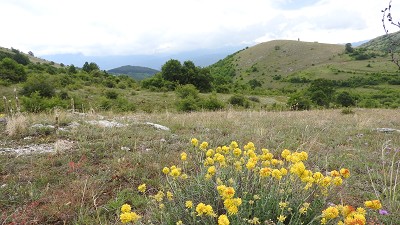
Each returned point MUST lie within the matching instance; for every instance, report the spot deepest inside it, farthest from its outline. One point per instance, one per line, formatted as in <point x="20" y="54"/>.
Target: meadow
<point x="92" y="169"/>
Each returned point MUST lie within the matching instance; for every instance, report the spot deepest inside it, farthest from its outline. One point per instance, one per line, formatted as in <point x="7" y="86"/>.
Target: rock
<point x="106" y="123"/>
<point x="387" y="130"/>
<point x="40" y="126"/>
<point x="158" y="126"/>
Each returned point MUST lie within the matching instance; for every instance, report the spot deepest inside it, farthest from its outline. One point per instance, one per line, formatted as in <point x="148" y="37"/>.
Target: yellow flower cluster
<point x="350" y="216"/>
<point x="374" y="204"/>
<point x="223" y="220"/>
<point x="142" y="188"/>
<point x="227" y="194"/>
<point x="227" y="162"/>
<point x="203" y="209"/>
<point x="127" y="216"/>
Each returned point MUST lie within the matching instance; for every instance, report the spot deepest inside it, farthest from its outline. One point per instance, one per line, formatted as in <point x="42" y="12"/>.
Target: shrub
<point x="345" y="99"/>
<point x="212" y="103"/>
<point x="254" y="99"/>
<point x="187" y="90"/>
<point x="299" y="102"/>
<point x="188" y="104"/>
<point x="111" y="94"/>
<point x="38" y="83"/>
<point x="239" y="100"/>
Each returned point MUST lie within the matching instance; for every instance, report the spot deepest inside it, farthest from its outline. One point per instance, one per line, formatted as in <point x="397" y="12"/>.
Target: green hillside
<point x="383" y="43"/>
<point x="136" y="72"/>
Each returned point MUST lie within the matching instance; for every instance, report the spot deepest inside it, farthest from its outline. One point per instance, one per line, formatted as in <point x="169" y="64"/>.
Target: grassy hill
<point x="382" y="43"/>
<point x="136" y="72"/>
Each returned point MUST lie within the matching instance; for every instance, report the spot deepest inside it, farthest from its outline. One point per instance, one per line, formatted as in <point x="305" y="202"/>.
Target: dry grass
<point x="17" y="125"/>
<point x="87" y="184"/>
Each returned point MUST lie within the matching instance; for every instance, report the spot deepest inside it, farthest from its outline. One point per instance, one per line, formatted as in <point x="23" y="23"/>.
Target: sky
<point x="132" y="27"/>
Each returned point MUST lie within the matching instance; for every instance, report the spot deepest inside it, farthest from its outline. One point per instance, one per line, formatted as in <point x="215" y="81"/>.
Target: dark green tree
<point x="172" y="71"/>
<point x="11" y="71"/>
<point x="349" y="48"/>
<point x="72" y="69"/>
<point x="89" y="67"/>
<point x="345" y="99"/>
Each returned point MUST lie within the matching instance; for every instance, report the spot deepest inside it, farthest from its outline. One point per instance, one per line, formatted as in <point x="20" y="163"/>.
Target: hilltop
<point x="136" y="72"/>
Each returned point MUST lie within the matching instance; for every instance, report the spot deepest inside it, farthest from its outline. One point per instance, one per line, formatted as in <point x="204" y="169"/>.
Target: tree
<point x="345" y="99"/>
<point x="72" y="69"/>
<point x="321" y="91"/>
<point x="89" y="67"/>
<point x="11" y="71"/>
<point x="349" y="48"/>
<point x="172" y="71"/>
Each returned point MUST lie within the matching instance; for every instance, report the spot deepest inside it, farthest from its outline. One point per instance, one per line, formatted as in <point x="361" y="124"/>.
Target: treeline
<point x="43" y="86"/>
<point x="330" y="94"/>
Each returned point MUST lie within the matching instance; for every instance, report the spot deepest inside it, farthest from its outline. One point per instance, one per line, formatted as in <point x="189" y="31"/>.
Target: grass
<point x="88" y="183"/>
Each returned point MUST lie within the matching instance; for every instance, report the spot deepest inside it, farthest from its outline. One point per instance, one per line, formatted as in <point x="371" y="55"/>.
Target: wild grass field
<point x="90" y="170"/>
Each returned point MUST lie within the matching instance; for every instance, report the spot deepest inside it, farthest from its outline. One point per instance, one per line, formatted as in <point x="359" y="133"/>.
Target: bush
<point x="239" y="100"/>
<point x="212" y="103"/>
<point x="188" y="90"/>
<point x="40" y="84"/>
<point x="188" y="104"/>
<point x="345" y="99"/>
<point x="299" y="102"/>
<point x="111" y="94"/>
<point x="254" y="99"/>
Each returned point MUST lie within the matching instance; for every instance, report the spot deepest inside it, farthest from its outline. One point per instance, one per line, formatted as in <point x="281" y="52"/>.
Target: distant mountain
<point x="202" y="57"/>
<point x="136" y="72"/>
<point x="384" y="42"/>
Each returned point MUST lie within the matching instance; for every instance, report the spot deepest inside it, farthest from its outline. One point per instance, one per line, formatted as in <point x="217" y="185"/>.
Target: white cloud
<point x="153" y="26"/>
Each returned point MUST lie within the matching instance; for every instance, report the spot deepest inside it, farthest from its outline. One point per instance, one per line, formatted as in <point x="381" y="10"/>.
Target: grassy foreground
<point x="89" y="180"/>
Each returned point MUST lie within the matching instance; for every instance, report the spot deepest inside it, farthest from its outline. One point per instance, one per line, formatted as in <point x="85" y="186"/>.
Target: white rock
<point x="158" y="126"/>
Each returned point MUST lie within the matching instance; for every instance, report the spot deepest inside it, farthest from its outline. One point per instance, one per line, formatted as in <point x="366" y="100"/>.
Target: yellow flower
<point x="255" y="220"/>
<point x="228" y="192"/>
<point x="209" y="153"/>
<point x="355" y="218"/>
<point x="211" y="170"/>
<point x="283" y="205"/>
<point x="345" y="173"/>
<point x="208" y="161"/>
<point x="304" y="208"/>
<point x="250" y="164"/>
<point x="189" y="204"/>
<point x="175" y="172"/>
<point x="125" y="208"/>
<point x="361" y="211"/>
<point x="330" y="212"/>
<point x="276" y="174"/>
<point x="347" y="210"/>
<point x="169" y="195"/>
<point x="128" y="217"/>
<point x="142" y="188"/>
<point x="335" y="173"/>
<point x="337" y="181"/>
<point x="265" y="172"/>
<point x="183" y="156"/>
<point x="203" y="209"/>
<point x="184" y="176"/>
<point x="161" y="206"/>
<point x="374" y="204"/>
<point x="281" y="218"/>
<point x="179" y="222"/>
<point x="285" y="153"/>
<point x="232" y="204"/>
<point x="159" y="196"/>
<point x="203" y="145"/>
<point x="233" y="145"/>
<point x="165" y="170"/>
<point x="249" y="146"/>
<point x="323" y="221"/>
<point x="223" y="220"/>
<point x="195" y="142"/>
<point x="237" y="152"/>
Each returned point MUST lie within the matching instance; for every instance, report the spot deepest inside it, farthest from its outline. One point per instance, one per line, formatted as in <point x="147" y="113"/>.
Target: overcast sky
<point x="122" y="27"/>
